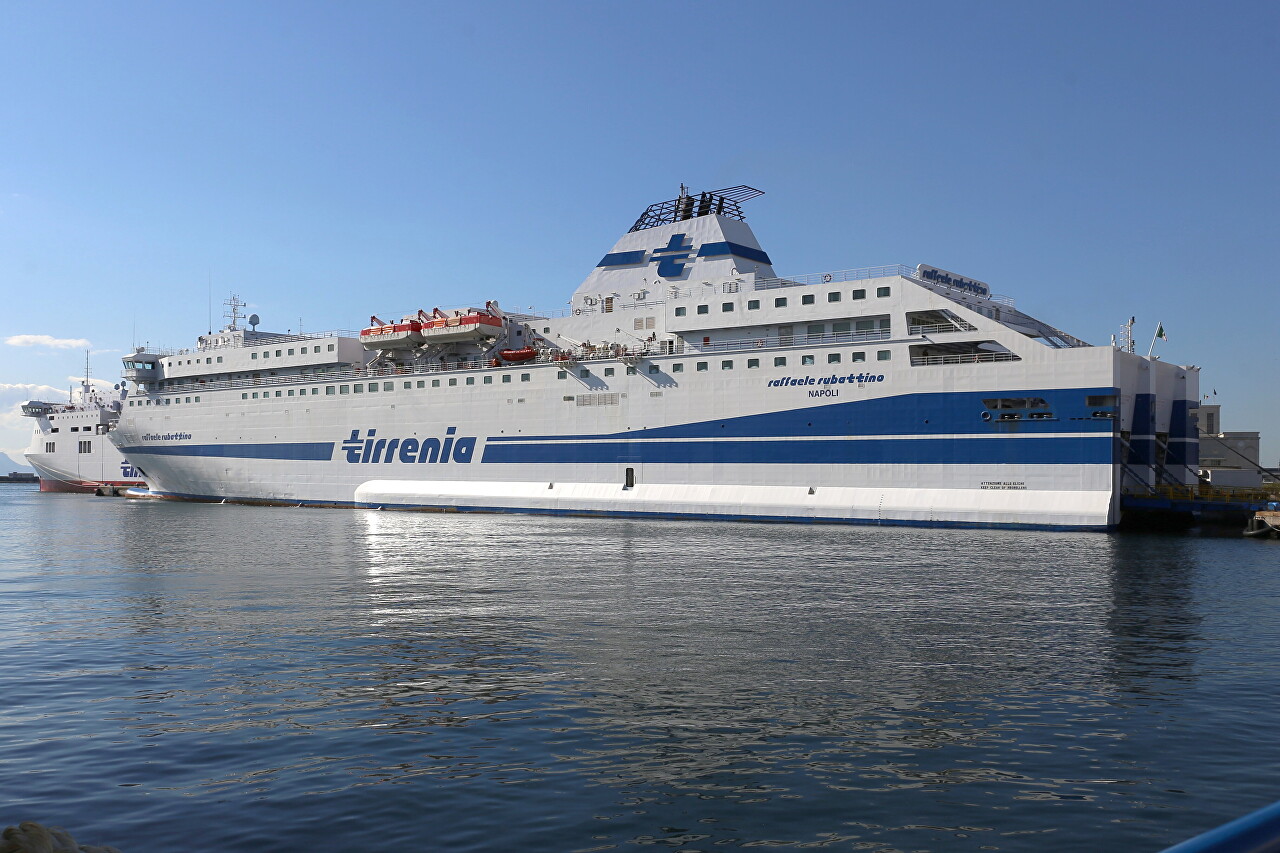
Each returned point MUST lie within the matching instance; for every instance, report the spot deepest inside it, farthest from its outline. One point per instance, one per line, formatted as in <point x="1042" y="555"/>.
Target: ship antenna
<point x="1126" y="335"/>
<point x="232" y="313"/>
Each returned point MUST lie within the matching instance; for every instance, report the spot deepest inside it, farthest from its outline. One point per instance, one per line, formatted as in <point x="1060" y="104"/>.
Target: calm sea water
<point x="203" y="677"/>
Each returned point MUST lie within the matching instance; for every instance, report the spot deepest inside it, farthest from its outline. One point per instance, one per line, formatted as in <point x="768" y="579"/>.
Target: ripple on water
<point x="273" y="679"/>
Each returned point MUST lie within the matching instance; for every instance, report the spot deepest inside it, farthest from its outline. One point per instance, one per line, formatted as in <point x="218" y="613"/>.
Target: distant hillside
<point x="9" y="465"/>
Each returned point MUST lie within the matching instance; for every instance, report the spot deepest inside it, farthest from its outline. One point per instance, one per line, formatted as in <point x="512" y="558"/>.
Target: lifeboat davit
<point x="523" y="354"/>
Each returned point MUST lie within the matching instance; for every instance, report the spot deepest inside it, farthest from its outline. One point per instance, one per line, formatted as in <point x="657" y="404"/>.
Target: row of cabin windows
<point x="782" y="301"/>
<point x="266" y="353"/>
<point x="375" y="387"/>
<point x="180" y="362"/>
<point x="752" y="363"/>
<point x="166" y="402"/>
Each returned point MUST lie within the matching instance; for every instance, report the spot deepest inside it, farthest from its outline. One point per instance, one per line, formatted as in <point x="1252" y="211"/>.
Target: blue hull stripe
<point x="981" y="451"/>
<point x="904" y="414"/>
<point x="316" y="451"/>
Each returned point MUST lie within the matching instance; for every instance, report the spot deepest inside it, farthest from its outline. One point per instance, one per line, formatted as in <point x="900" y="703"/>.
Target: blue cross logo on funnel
<point x="672" y="256"/>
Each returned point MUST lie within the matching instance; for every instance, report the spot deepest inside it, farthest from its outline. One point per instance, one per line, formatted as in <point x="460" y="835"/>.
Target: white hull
<point x="70" y="450"/>
<point x="786" y="412"/>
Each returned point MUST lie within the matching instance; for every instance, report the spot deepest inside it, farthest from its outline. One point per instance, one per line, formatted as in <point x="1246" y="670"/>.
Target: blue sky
<point x="328" y="161"/>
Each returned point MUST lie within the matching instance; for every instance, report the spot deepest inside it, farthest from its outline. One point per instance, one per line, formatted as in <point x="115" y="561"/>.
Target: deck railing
<point x="964" y="358"/>
<point x="565" y="358"/>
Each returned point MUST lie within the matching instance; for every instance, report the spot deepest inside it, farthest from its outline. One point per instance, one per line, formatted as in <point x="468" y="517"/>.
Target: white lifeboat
<point x="466" y="325"/>
<point x="382" y="336"/>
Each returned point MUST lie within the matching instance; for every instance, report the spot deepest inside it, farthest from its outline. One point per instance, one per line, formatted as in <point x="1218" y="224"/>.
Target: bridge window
<point x="882" y="291"/>
<point x="780" y="302"/>
<point x="806" y="299"/>
<point x="858" y="294"/>
<point x="753" y="304"/>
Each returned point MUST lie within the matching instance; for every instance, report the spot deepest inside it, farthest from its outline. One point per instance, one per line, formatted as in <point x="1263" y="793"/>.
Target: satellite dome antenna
<point x="254" y="320"/>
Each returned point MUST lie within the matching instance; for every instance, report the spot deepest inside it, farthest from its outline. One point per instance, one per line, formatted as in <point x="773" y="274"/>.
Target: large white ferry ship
<point x="686" y="379"/>
<point x="69" y="447"/>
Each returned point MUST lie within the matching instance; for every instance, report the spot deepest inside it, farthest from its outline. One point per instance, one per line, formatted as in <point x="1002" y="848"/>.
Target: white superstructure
<point x="69" y="447"/>
<point x="685" y="379"/>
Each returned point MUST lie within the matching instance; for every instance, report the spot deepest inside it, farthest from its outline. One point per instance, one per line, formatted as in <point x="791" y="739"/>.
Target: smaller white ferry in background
<point x="69" y="447"/>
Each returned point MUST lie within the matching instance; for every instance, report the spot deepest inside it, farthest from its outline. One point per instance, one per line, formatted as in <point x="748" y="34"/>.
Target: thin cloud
<point x="104" y="384"/>
<point x="47" y="341"/>
<point x="33" y="391"/>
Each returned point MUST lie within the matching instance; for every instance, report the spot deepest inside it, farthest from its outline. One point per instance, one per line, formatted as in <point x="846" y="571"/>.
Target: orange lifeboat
<point x="469" y="325"/>
<point x="523" y="354"/>
<point x="382" y="335"/>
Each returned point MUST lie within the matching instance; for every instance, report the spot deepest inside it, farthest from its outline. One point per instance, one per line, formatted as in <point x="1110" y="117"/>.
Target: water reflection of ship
<point x="1154" y="624"/>
<point x="692" y="656"/>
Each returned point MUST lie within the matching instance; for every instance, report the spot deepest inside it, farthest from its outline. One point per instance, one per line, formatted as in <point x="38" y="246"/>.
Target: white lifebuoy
<point x="577" y="311"/>
<point x="826" y="278"/>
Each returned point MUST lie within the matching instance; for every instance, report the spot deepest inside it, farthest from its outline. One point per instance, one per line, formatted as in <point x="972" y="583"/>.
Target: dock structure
<point x="1169" y="506"/>
<point x="1265" y="523"/>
